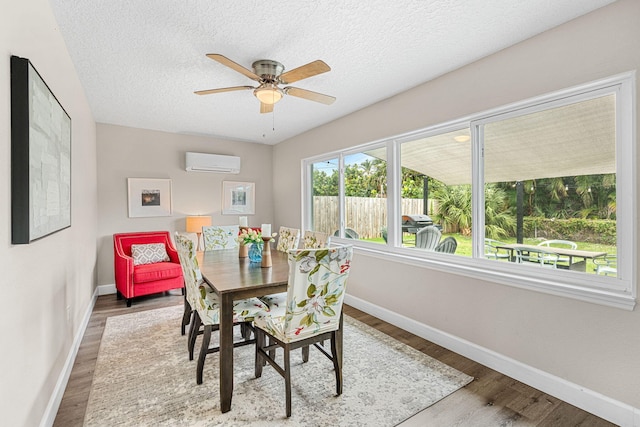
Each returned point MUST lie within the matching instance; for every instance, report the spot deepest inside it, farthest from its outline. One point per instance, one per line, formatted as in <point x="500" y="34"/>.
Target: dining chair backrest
<point x="190" y="269"/>
<point x="315" y="239"/>
<point x="317" y="282"/>
<point x="428" y="238"/>
<point x="194" y="284"/>
<point x="288" y="238"/>
<point x="220" y="237"/>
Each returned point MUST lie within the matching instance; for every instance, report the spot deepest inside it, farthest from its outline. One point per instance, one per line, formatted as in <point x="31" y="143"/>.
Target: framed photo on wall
<point x="149" y="197"/>
<point x="40" y="157"/>
<point x="238" y="198"/>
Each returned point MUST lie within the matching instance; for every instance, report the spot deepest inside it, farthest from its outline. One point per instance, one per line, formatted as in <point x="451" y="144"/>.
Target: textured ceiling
<point x="141" y="61"/>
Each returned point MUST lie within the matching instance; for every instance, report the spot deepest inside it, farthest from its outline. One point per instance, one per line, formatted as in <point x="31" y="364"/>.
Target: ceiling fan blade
<point x="311" y="96"/>
<point x="223" y="89"/>
<point x="266" y="108"/>
<point x="233" y="65"/>
<point x="311" y="69"/>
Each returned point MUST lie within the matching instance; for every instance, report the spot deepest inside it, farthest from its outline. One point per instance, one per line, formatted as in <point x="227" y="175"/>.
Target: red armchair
<point x="134" y="279"/>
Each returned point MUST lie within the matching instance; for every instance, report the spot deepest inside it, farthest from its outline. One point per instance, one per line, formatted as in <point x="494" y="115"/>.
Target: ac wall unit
<point x="203" y="162"/>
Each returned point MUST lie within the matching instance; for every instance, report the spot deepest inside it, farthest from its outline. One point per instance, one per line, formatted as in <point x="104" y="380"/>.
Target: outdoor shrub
<point x="584" y="230"/>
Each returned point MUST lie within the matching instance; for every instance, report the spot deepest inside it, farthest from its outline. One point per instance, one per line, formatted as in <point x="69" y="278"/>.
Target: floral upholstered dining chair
<point x="315" y="239"/>
<point x="220" y="237"/>
<point x="288" y="238"/>
<point x="316" y="289"/>
<point x="205" y="305"/>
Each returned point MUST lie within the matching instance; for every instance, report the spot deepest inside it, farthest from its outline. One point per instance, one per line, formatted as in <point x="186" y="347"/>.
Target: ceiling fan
<point x="269" y="74"/>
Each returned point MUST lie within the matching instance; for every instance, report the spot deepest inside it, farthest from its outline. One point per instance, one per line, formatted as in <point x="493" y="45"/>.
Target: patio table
<point x="570" y="253"/>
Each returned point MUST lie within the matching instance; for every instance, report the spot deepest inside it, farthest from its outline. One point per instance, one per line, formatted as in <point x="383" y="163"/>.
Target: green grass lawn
<point x="464" y="245"/>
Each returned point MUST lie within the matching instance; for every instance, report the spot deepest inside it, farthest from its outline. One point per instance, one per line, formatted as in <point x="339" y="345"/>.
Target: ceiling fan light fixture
<point x="268" y="93"/>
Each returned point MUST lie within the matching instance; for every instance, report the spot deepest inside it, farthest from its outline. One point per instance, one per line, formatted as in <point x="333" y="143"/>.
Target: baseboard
<point x="51" y="411"/>
<point x="598" y="404"/>
<point x="106" y="289"/>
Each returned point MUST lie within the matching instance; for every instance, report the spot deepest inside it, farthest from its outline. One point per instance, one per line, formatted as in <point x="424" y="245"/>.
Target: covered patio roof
<point x="572" y="140"/>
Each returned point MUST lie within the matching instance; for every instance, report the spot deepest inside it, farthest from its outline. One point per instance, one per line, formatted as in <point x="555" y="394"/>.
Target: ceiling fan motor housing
<point x="267" y="69"/>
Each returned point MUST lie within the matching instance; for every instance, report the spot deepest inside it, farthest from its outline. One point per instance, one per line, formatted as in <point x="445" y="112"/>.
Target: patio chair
<point x="349" y="233"/>
<point x="607" y="265"/>
<point x="492" y="250"/>
<point x="313" y="313"/>
<point x="567" y="244"/>
<point x="540" y="256"/>
<point x="448" y="245"/>
<point x="428" y="238"/>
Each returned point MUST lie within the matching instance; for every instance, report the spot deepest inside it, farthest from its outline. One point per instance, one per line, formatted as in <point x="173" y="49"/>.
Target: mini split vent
<point x="203" y="162"/>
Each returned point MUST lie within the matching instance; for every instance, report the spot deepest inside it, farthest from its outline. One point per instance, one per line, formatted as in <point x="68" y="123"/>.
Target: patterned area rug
<point x="143" y="377"/>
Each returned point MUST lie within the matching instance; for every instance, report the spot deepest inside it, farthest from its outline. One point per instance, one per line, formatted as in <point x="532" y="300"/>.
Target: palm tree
<point x="498" y="222"/>
<point x="454" y="208"/>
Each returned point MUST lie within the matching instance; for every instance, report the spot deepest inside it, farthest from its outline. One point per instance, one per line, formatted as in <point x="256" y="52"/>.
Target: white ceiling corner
<point x="141" y="61"/>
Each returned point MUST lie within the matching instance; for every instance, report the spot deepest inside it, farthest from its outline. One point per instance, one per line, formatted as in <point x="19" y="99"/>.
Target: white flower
<point x="315" y="305"/>
<point x="307" y="264"/>
<point x="339" y="254"/>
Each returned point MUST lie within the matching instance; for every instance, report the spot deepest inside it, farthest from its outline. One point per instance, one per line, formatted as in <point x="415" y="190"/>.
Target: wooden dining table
<point x="234" y="278"/>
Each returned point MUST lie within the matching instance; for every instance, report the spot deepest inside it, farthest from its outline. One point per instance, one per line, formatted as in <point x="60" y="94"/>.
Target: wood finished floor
<point x="491" y="399"/>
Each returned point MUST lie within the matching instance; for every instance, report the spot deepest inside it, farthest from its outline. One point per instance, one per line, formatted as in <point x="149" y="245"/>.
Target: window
<point x="325" y="184"/>
<point x="550" y="184"/>
<point x="531" y="193"/>
<point x="356" y="198"/>
<point x="436" y="190"/>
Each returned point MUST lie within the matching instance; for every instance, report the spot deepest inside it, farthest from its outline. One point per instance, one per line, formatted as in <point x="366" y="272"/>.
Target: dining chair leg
<point x="287" y="379"/>
<point x="305" y="354"/>
<point x="259" y="362"/>
<point x="193" y="333"/>
<point x="272" y="353"/>
<point x="245" y="330"/>
<point x="336" y="351"/>
<point x="206" y="337"/>
<point x="186" y="317"/>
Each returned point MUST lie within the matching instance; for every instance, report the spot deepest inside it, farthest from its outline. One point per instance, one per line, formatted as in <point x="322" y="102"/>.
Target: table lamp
<point x="195" y="224"/>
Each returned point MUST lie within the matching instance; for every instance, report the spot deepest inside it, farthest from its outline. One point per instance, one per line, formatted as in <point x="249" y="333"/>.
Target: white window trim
<point x="619" y="292"/>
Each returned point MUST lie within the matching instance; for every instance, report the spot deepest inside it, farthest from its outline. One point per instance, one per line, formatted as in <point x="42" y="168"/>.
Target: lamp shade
<point x="195" y="223"/>
<point x="268" y="93"/>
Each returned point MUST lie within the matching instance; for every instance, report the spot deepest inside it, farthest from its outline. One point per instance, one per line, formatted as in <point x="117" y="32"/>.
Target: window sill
<point x="601" y="290"/>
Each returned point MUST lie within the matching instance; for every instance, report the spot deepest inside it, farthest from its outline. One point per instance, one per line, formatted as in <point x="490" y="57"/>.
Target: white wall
<point x="136" y="153"/>
<point x="589" y="345"/>
<point x="40" y="280"/>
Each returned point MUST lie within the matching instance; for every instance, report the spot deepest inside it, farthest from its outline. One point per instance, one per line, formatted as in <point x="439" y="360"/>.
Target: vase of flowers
<point x="253" y="239"/>
<point x="255" y="252"/>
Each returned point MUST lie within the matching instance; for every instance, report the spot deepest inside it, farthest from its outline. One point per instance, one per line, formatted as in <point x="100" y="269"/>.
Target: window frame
<point x="620" y="291"/>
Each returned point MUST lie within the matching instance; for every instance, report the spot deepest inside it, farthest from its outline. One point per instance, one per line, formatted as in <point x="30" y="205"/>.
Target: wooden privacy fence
<point x="366" y="215"/>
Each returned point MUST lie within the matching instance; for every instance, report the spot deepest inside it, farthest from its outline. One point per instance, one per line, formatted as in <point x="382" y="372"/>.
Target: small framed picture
<point x="149" y="197"/>
<point x="238" y="198"/>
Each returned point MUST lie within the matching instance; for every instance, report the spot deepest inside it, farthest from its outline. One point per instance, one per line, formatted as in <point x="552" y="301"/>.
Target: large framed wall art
<point x="40" y="157"/>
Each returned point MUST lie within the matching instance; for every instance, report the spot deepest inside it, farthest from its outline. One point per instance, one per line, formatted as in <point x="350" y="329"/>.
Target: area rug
<point x="143" y="377"/>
